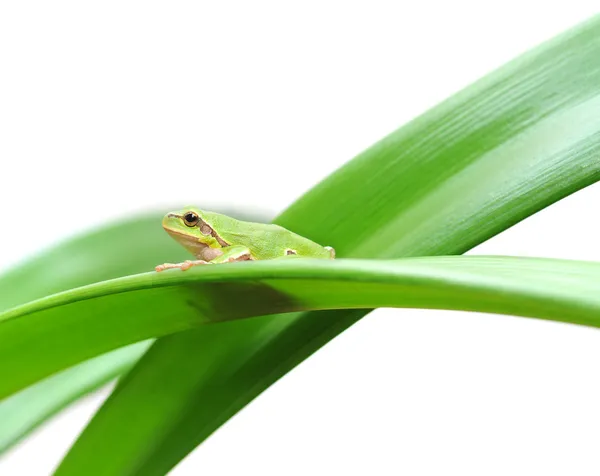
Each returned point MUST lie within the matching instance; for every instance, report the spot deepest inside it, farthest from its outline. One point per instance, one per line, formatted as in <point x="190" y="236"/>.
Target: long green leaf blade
<point x="504" y="148"/>
<point x="114" y="313"/>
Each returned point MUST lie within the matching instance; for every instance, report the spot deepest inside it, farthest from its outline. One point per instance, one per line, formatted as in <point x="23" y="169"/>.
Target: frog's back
<point x="266" y="241"/>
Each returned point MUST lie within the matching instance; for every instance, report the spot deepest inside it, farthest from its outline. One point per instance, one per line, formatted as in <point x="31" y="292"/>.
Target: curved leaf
<point x="504" y="148"/>
<point x="68" y="327"/>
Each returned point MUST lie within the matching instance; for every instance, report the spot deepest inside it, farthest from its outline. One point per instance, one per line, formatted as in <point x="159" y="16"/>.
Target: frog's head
<point x="192" y="228"/>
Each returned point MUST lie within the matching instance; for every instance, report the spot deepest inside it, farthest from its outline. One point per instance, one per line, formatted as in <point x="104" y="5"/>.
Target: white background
<point x="107" y="108"/>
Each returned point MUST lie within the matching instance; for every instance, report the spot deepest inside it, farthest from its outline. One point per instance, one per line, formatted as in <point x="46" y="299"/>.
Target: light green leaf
<point x="22" y="412"/>
<point x="38" y="338"/>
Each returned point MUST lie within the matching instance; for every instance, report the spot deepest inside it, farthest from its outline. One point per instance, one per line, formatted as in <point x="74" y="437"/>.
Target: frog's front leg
<point x="233" y="253"/>
<point x="187" y="264"/>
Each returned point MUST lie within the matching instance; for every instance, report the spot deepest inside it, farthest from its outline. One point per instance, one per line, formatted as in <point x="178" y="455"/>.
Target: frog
<point x="214" y="238"/>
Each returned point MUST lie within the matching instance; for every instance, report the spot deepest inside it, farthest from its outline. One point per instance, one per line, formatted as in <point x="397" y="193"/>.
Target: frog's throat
<point x="198" y="249"/>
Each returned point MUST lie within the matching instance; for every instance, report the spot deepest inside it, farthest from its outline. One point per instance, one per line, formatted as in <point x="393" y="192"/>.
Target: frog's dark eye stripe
<point x="191" y="219"/>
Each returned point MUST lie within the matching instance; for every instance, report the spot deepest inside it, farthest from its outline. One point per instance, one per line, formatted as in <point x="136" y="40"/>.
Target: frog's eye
<point x="191" y="219"/>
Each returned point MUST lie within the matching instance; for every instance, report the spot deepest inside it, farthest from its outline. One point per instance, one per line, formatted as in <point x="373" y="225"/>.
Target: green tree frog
<point x="214" y="238"/>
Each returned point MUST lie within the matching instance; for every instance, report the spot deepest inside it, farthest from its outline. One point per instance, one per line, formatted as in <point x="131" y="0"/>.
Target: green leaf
<point x="22" y="412"/>
<point x="499" y="151"/>
<point x="52" y="333"/>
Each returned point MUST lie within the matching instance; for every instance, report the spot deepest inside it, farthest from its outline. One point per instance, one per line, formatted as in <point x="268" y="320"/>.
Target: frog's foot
<point x="187" y="264"/>
<point x="331" y="251"/>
